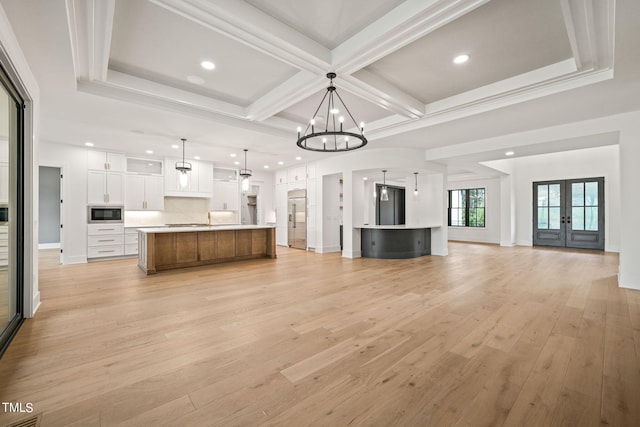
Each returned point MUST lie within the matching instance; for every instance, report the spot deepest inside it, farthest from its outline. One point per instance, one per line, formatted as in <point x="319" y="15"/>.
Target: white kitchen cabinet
<point x="104" y="161"/>
<point x="130" y="241"/>
<point x="144" y="193"/>
<point x="281" y="176"/>
<point x="311" y="170"/>
<point x="205" y="178"/>
<point x="105" y="240"/>
<point x="296" y="174"/>
<point x="105" y="188"/>
<point x="281" y="215"/>
<point x="199" y="179"/>
<point x="4" y="183"/>
<point x="4" y="245"/>
<point x="226" y="196"/>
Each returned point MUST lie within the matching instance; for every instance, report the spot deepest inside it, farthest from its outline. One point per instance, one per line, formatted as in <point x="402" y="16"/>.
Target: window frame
<point x="464" y="194"/>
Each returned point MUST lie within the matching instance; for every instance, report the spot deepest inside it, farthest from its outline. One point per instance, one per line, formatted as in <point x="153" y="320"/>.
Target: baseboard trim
<point x="48" y="245"/>
<point x="328" y="249"/>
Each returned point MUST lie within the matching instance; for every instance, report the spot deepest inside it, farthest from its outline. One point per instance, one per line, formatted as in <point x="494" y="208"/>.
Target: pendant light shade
<point x="245" y="174"/>
<point x="183" y="167"/>
<point x="415" y="188"/>
<point x="326" y="134"/>
<point x="384" y="192"/>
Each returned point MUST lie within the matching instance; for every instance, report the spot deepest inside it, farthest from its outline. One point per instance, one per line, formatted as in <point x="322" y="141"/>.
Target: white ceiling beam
<point x="406" y="23"/>
<point x="150" y="94"/>
<point x="247" y="24"/>
<point x="290" y="92"/>
<point x="380" y="92"/>
<point x="90" y="28"/>
<point x="590" y="28"/>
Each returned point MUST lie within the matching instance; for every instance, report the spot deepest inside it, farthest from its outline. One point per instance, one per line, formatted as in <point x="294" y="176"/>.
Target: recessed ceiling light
<point x="461" y="59"/>
<point x="196" y="80"/>
<point x="208" y="65"/>
<point x="233" y="154"/>
<point x="266" y="166"/>
<point x="196" y="157"/>
<point x="89" y="144"/>
<point x="509" y="153"/>
<point x="365" y="178"/>
<point x="298" y="158"/>
<point x="236" y="162"/>
<point x="175" y="146"/>
<point x="281" y="163"/>
<point x="149" y="151"/>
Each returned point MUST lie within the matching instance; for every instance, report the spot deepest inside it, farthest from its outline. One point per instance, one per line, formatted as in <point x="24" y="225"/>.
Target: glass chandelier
<point x="245" y="174"/>
<point x="183" y="167"/>
<point x="384" y="192"/>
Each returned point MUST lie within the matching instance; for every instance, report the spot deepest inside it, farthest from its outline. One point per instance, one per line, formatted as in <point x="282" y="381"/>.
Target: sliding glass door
<point x="11" y="211"/>
<point x="569" y="213"/>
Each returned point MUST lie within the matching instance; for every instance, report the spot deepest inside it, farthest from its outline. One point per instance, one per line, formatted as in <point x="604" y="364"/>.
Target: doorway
<point x="50" y="213"/>
<point x="390" y="211"/>
<point x="569" y="213"/>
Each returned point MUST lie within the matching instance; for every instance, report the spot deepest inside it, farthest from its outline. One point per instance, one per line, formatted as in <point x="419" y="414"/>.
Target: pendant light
<point x="245" y="174"/>
<point x="183" y="167"/>
<point x="415" y="189"/>
<point x="384" y="193"/>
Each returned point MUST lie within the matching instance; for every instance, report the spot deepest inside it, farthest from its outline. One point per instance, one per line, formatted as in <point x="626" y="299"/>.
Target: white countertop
<point x="167" y="229"/>
<point x="396" y="227"/>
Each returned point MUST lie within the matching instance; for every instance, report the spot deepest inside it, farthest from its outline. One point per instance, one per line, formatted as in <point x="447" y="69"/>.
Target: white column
<point x="629" y="271"/>
<point x="507" y="211"/>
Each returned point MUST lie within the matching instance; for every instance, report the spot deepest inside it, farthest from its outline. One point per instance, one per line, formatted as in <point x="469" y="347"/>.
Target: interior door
<point x="569" y="213"/>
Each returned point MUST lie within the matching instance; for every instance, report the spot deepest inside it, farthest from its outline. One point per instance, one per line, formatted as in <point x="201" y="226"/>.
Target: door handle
<point x="568" y="220"/>
<point x="562" y="220"/>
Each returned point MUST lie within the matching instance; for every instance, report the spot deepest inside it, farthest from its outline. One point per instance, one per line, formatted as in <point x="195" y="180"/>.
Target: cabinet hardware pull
<point x="102" y="252"/>
<point x="106" y="240"/>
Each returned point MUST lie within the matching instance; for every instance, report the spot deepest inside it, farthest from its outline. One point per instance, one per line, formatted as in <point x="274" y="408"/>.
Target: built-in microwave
<point x="4" y="214"/>
<point x="98" y="214"/>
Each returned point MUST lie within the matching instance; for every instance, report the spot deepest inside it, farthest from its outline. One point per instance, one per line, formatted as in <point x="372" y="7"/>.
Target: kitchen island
<point x="395" y="241"/>
<point x="167" y="248"/>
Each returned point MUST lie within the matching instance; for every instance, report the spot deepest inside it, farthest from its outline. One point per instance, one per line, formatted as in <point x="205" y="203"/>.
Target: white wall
<point x="490" y="233"/>
<point x="587" y="163"/>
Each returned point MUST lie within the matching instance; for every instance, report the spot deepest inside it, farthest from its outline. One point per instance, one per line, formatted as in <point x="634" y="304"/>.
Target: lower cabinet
<point x="105" y="240"/>
<point x="4" y="245"/>
<point x="130" y="241"/>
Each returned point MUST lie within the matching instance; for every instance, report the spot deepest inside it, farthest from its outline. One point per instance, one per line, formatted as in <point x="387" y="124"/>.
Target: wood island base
<point x="166" y="249"/>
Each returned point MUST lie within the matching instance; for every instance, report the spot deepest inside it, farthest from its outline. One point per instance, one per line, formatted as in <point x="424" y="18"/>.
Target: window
<point x="466" y="207"/>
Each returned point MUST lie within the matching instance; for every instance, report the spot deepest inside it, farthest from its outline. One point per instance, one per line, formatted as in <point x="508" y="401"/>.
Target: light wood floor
<point x="487" y="336"/>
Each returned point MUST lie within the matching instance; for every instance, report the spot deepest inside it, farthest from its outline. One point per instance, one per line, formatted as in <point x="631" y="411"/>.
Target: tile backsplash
<point x="179" y="210"/>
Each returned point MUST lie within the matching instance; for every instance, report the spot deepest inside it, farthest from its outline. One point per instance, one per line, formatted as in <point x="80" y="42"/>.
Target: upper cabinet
<point x="281" y="176"/>
<point x="298" y="173"/>
<point x="105" y="178"/>
<point x="105" y="188"/>
<point x="198" y="182"/>
<point x="103" y="161"/>
<point x="144" y="193"/>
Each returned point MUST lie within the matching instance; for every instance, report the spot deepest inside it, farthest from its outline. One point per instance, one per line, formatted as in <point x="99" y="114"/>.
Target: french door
<point x="569" y="213"/>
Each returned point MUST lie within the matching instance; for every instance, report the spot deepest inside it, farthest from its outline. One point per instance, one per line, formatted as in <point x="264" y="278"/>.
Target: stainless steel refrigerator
<point x="297" y="215"/>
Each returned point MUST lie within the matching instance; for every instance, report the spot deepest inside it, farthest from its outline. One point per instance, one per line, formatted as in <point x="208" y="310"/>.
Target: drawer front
<point x="130" y="239"/>
<point x="106" y="240"/>
<point x="104" y="229"/>
<point x="131" y="249"/>
<point x="105" y="251"/>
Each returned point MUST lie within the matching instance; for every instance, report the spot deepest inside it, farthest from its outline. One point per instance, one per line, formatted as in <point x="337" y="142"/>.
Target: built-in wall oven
<point x="102" y="214"/>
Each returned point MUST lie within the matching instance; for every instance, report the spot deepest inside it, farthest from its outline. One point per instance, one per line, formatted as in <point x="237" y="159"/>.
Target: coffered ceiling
<point x="126" y="74"/>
